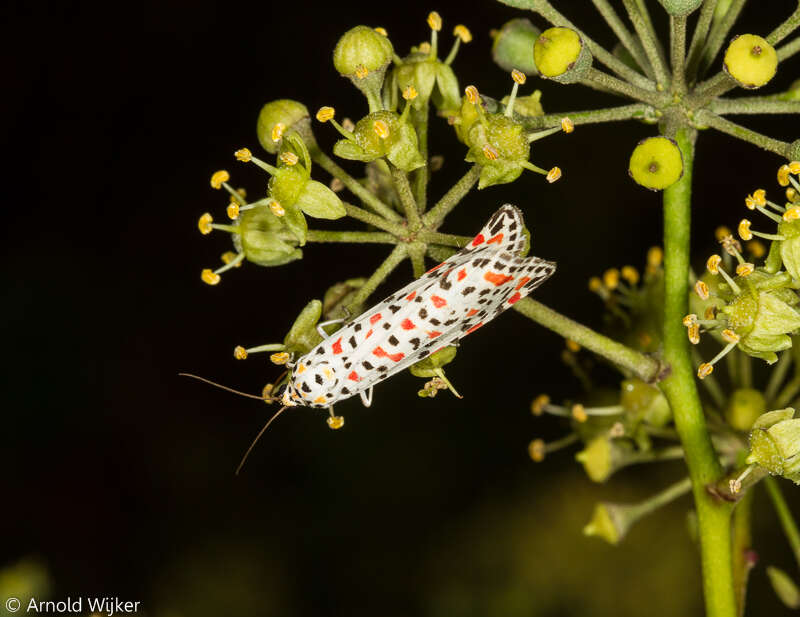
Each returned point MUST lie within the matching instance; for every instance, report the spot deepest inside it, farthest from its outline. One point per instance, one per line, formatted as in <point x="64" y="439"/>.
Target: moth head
<point x="312" y="384"/>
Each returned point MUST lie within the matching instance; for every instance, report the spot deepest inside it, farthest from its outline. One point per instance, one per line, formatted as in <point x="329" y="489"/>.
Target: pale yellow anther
<point x="713" y="264"/>
<point x="693" y="332"/>
<point x="701" y="289"/>
<point x="434" y="21"/>
<point x="348" y="125"/>
<point x="794" y="167"/>
<point x="744" y="230"/>
<point x="382" y="31"/>
<point x="553" y="175"/>
<point x="630" y="274"/>
<point x="730" y="336"/>
<point x="721" y="232"/>
<point x="745" y="269"/>
<point x="204" y="223"/>
<point x="704" y="370"/>
<point x="233" y="210"/>
<point x="266" y="393"/>
<point x="573" y="346"/>
<point x="760" y="197"/>
<point x="277" y="209"/>
<point x="239" y="352"/>
<point x="689" y="319"/>
<point x="655" y="255"/>
<point x="710" y="313"/>
<point x="228" y="256"/>
<point x="595" y="284"/>
<point x="473" y="96"/>
<point x="288" y="158"/>
<point x="244" y="155"/>
<point x="792" y="214"/>
<point x="579" y="413"/>
<point x="490" y="152"/>
<point x="756" y="248"/>
<point x="611" y="278"/>
<point x="336" y="185"/>
<point x="410" y="93"/>
<point x="462" y="32"/>
<point x="280" y="357"/>
<point x="792" y="195"/>
<point x="278" y="130"/>
<point x="567" y="125"/>
<point x="361" y="71"/>
<point x="325" y="113"/>
<point x="336" y="422"/>
<point x="539" y="403"/>
<point x="750" y="202"/>
<point x="518" y="76"/>
<point x="536" y="450"/>
<point x="381" y="129"/>
<point x="218" y="178"/>
<point x="209" y="277"/>
<point x="425" y="48"/>
<point x="783" y="175"/>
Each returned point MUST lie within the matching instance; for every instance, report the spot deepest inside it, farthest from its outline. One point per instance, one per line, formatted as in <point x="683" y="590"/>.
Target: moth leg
<point x="366" y="397"/>
<point x="322" y="324"/>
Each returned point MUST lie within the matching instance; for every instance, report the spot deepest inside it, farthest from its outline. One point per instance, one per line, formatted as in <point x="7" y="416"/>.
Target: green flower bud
<point x="261" y="240"/>
<point x="559" y="54"/>
<point x="339" y="296"/>
<point x="602" y="457"/>
<point x="362" y="55"/>
<point x="610" y="522"/>
<point x="678" y="8"/>
<point x="513" y="46"/>
<point x="656" y="163"/>
<point x="751" y="61"/>
<point x="645" y="403"/>
<point x="744" y="407"/>
<point x="466" y="119"/>
<point x="431" y="366"/>
<point x="303" y="335"/>
<point x="500" y="145"/>
<point x="382" y="133"/>
<point x="291" y="114"/>
<point x="784" y="587"/>
<point x="763" y="321"/>
<point x="775" y="444"/>
<point x="527" y="106"/>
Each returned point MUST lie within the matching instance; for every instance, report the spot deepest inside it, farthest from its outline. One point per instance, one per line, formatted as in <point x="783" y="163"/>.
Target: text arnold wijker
<point x="109" y="606"/>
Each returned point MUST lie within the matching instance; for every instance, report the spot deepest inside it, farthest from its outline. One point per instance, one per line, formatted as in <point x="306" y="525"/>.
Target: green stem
<point x="710" y="383"/>
<point x="398" y="254"/>
<point x="358" y="189"/>
<point x="644" y="29"/>
<point x="745" y="370"/>
<point x="436" y="215"/>
<point x="416" y="251"/>
<point x="403" y="189"/>
<point x="376" y="237"/>
<point x="754" y="105"/>
<point x="712" y="88"/>
<point x="373" y="219"/>
<point x="785" y="29"/>
<point x="699" y="37"/>
<point x="623" y="88"/>
<point x="777" y="376"/>
<point x="681" y="391"/>
<point x="659" y="500"/>
<point x="677" y="47"/>
<point x="784" y="516"/>
<point x="742" y="542"/>
<point x="626" y="37"/>
<point x="787" y="51"/>
<point x="420" y="121"/>
<point x="718" y="34"/>
<point x="631" y="361"/>
<point x="704" y="117"/>
<point x="594" y="116"/>
<point x="434" y="237"/>
<point x="789" y="391"/>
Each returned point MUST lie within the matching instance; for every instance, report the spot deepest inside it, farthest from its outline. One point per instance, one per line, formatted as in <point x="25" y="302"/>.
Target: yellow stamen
<point x="573" y="346"/>
<point x="288" y="158"/>
<point x="792" y="195"/>
<point x="325" y="113"/>
<point x="713" y="264"/>
<point x="694" y="334"/>
<point x="611" y="278"/>
<point x="278" y="130"/>
<point x="425" y="48"/>
<point x="462" y="32"/>
<point x="704" y="370"/>
<point x="239" y="352"/>
<point x="538" y="404"/>
<point x="553" y="175"/>
<point x="228" y="256"/>
<point x="730" y="336"/>
<point x="218" y="178"/>
<point x="655" y="255"/>
<point x="721" y="232"/>
<point x="473" y="96"/>
<point x="750" y="202"/>
<point x="760" y="197"/>
<point x="744" y="230"/>
<point x="233" y="210"/>
<point x="630" y="274"/>
<point x="280" y="357"/>
<point x="434" y="21"/>
<point x="536" y="450"/>
<point x="756" y="248"/>
<point x="792" y="214"/>
<point x="336" y="185"/>
<point x="518" y="76"/>
<point x="689" y="320"/>
<point x="595" y="284"/>
<point x="701" y="289"/>
<point x="267" y="392"/>
<point x="335" y="422"/>
<point x="381" y="129"/>
<point x="711" y="313"/>
<point x="579" y="413"/>
<point x="410" y="93"/>
<point x="361" y="71"/>
<point x="244" y="155"/>
<point x="490" y="152"/>
<point x="277" y="209"/>
<point x="204" y="224"/>
<point x="783" y="175"/>
<point x="567" y="125"/>
<point x="794" y="167"/>
<point x="745" y="269"/>
<point x="209" y="277"/>
<point x="382" y="31"/>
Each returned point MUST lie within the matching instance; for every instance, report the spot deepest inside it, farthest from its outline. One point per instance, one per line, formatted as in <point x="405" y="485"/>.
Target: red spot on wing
<point x="522" y="282"/>
<point x="435" y="267"/>
<point x="394" y="357"/>
<point x="496" y="239"/>
<point x="473" y="328"/>
<point x="496" y="278"/>
<point x="514" y="298"/>
<point x="407" y="324"/>
<point x="433" y="333"/>
<point x="369" y="333"/>
<point x="374" y="318"/>
<point x="337" y="346"/>
<point x="353" y="376"/>
<point x="462" y="273"/>
<point x="438" y="302"/>
<point x="479" y="239"/>
<point x="471" y="312"/>
<point x="440" y="349"/>
<point x="413" y="294"/>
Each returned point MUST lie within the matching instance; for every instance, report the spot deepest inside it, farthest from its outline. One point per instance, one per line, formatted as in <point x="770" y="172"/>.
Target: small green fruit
<point x="362" y="48"/>
<point x="656" y="163"/>
<point x="291" y="114"/>
<point x="560" y="54"/>
<point x="744" y="407"/>
<point x="751" y="61"/>
<point x="513" y="46"/>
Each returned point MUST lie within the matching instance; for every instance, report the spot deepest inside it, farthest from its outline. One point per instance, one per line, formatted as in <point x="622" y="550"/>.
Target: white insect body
<point x="449" y="302"/>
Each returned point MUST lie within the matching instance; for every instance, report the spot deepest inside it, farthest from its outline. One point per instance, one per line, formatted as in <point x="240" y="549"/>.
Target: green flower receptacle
<point x="261" y="241"/>
<point x="560" y="54"/>
<point x="751" y="61"/>
<point x="680" y="8"/>
<point x="775" y="444"/>
<point x="656" y="163"/>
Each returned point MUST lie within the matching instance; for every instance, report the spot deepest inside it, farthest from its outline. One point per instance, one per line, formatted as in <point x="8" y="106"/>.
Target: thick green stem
<point x="403" y="189"/>
<point x="398" y="254"/>
<point x="416" y="250"/>
<point x="681" y="391"/>
<point x="754" y="105"/>
<point x="785" y="29"/>
<point x="420" y="120"/>
<point x="355" y="187"/>
<point x="436" y="215"/>
<point x="594" y="116"/>
<point x="704" y="117"/>
<point x="629" y="360"/>
<point x="677" y="47"/>
<point x="375" y="237"/>
<point x="623" y="88"/>
<point x="784" y="516"/>
<point x="742" y="541"/>
<point x="626" y="37"/>
<point x="647" y="36"/>
<point x="373" y="219"/>
<point x="434" y="237"/>
<point x="787" y="51"/>
<point x="699" y="37"/>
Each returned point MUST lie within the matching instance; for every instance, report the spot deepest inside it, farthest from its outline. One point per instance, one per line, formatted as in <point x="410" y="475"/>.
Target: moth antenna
<point x="260" y="433"/>
<point x="217" y="385"/>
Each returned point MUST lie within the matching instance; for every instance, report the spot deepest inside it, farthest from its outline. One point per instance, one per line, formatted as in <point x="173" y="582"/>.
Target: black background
<point x="118" y="475"/>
